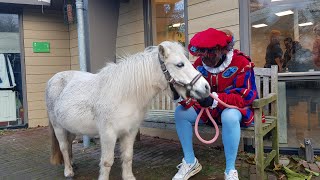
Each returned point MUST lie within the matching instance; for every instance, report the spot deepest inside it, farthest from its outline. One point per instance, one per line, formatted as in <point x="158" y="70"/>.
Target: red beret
<point x="208" y="39"/>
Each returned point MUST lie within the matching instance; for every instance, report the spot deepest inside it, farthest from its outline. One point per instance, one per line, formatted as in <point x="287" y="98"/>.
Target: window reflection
<point x="303" y="112"/>
<point x="168" y="21"/>
<point x="9" y="23"/>
<point x="287" y="33"/>
<point x="283" y="33"/>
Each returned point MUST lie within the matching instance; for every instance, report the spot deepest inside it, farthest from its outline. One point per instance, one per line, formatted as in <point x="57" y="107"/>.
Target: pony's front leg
<point x="126" y="143"/>
<point x="108" y="140"/>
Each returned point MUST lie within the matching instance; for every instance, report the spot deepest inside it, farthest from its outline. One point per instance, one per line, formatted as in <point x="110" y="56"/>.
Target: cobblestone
<point x="24" y="154"/>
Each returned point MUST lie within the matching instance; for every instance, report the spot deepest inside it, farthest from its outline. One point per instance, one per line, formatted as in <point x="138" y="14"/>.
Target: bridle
<point x="169" y="78"/>
<point x="189" y="87"/>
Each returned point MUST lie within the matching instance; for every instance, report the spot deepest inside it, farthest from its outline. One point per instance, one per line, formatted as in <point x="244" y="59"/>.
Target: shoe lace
<point x="183" y="168"/>
<point x="232" y="176"/>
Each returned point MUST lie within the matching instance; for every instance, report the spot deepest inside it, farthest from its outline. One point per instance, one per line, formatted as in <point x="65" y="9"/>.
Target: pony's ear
<point x="163" y="51"/>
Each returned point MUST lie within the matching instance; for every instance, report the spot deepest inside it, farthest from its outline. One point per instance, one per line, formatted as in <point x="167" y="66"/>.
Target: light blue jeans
<point x="230" y="119"/>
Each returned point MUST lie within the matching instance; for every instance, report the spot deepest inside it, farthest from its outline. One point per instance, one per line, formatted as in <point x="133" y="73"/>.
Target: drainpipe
<point x="82" y="50"/>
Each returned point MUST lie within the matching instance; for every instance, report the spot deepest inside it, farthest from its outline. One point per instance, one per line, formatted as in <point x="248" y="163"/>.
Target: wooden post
<point x="282" y="113"/>
<point x="259" y="143"/>
<point x="274" y="112"/>
<point x="309" y="155"/>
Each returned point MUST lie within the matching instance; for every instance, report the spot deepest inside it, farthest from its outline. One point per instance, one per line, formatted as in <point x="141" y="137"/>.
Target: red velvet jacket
<point x="234" y="84"/>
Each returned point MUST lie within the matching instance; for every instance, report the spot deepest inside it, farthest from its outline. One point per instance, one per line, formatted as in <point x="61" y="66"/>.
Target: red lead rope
<point x="212" y="120"/>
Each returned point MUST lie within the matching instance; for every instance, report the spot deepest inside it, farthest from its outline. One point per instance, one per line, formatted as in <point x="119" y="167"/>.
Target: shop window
<point x="11" y="89"/>
<point x="285" y="33"/>
<point x="168" y="22"/>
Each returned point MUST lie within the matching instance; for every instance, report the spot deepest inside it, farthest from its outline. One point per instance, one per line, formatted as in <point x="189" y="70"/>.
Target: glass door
<point x="11" y="88"/>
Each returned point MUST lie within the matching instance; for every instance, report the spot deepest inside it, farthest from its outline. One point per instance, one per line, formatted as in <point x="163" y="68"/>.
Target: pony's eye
<point x="180" y="65"/>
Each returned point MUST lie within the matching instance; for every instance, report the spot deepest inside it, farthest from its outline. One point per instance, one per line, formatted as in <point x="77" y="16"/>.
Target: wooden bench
<point x="267" y="86"/>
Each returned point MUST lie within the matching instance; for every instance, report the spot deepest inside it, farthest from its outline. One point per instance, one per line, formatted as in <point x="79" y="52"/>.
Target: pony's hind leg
<point x="126" y="143"/>
<point x="56" y="155"/>
<point x="62" y="136"/>
<point x="108" y="140"/>
<point x="70" y="138"/>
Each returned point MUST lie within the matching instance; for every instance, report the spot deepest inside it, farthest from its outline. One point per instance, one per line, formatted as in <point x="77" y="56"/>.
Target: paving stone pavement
<point x="24" y="155"/>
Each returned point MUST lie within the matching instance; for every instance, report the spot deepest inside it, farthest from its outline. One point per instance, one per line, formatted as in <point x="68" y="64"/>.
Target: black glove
<point x="175" y="93"/>
<point x="206" y="102"/>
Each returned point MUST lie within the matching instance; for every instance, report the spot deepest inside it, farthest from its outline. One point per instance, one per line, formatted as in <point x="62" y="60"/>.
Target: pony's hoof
<point x="129" y="178"/>
<point x="68" y="173"/>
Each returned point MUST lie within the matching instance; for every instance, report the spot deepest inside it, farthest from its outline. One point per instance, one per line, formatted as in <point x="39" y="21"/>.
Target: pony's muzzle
<point x="202" y="91"/>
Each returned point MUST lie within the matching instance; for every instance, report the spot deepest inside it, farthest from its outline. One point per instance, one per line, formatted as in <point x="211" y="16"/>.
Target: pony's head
<point x="178" y="70"/>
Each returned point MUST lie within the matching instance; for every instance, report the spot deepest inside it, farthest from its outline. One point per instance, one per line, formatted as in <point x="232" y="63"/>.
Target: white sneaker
<point x="233" y="175"/>
<point x="187" y="170"/>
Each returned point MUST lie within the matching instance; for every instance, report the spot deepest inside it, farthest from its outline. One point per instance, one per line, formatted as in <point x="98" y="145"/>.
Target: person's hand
<point x="206" y="102"/>
<point x="175" y="93"/>
<point x="278" y="61"/>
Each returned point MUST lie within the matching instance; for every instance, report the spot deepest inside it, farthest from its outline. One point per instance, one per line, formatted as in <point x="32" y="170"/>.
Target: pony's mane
<point x="175" y="46"/>
<point x="136" y="72"/>
<point x="132" y="72"/>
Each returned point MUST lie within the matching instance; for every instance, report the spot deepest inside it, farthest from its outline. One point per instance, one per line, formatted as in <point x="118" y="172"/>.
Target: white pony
<point x="113" y="102"/>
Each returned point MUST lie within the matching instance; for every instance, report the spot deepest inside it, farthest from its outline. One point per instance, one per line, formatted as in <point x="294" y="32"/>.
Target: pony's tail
<point x="56" y="155"/>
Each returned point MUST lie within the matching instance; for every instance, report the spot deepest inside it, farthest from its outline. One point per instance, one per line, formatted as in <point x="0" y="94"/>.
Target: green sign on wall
<point x="41" y="47"/>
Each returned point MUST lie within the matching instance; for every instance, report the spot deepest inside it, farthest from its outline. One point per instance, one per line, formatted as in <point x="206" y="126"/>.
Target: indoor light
<point x="259" y="25"/>
<point x="283" y="13"/>
<point x="47" y="1"/>
<point x="306" y="24"/>
<point x="177" y="24"/>
<point x="275" y="0"/>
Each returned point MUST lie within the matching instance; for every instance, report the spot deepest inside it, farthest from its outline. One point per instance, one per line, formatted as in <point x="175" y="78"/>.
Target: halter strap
<point x="170" y="79"/>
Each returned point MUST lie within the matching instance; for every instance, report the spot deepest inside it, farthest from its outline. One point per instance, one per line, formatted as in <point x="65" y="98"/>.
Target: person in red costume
<point x="231" y="77"/>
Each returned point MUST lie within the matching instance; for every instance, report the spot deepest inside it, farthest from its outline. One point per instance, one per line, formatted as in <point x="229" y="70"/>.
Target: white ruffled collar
<point x="222" y="67"/>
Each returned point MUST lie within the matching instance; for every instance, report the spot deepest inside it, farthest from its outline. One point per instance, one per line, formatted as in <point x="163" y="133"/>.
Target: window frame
<point x="26" y="2"/>
<point x="147" y="21"/>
